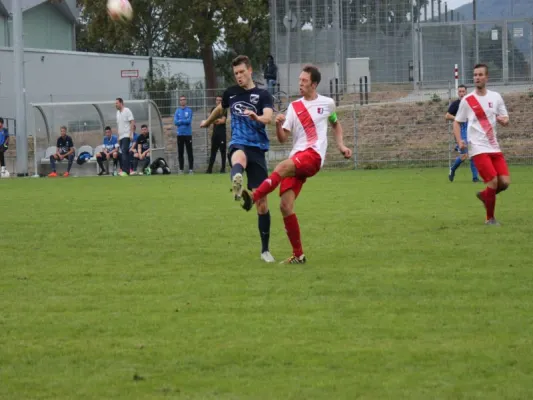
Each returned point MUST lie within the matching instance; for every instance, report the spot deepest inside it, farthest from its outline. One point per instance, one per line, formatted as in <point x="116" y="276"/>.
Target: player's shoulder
<point x="233" y="90"/>
<point x="494" y="95"/>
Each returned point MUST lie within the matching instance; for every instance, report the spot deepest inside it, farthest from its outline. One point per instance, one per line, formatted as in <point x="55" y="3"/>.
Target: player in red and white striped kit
<point x="483" y="109"/>
<point x="307" y="119"/>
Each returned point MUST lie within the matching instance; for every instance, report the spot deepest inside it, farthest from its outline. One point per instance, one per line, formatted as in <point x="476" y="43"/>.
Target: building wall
<point x="62" y="76"/>
<point x="45" y="28"/>
<point x="3" y="33"/>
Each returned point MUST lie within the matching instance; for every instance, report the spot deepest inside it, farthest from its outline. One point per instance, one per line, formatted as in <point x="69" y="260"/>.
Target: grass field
<point x="152" y="287"/>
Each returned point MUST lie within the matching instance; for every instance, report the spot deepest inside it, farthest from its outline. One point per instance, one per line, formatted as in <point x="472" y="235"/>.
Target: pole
<point x="20" y="90"/>
<point x="456" y="76"/>
<point x="450" y="130"/>
<point x="476" y="38"/>
<point x="462" y="53"/>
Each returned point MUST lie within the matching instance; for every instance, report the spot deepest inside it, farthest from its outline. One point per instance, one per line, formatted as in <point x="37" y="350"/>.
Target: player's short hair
<point x="63" y="127"/>
<point x="482" y="66"/>
<point x="144" y="126"/>
<point x="462" y="86"/>
<point x="314" y="72"/>
<point x="241" y="60"/>
<point x="183" y="97"/>
<point x="107" y="128"/>
<point x="1" y="120"/>
<point x="218" y="95"/>
<point x="120" y="100"/>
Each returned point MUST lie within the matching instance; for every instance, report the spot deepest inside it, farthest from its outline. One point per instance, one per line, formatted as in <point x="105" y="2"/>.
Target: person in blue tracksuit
<point x="4" y="142"/>
<point x="182" y="120"/>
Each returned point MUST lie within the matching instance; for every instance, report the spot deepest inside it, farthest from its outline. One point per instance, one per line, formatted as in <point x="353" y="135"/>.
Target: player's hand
<point x="462" y="145"/>
<point x="280" y="119"/>
<point x="501" y="120"/>
<point x="61" y="157"/>
<point x="204" y="124"/>
<point x="253" y="116"/>
<point x="345" y="151"/>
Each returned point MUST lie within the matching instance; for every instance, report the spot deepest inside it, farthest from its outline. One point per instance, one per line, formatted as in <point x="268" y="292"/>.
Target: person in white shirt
<point x="483" y="109"/>
<point x="125" y="128"/>
<point x="307" y="119"/>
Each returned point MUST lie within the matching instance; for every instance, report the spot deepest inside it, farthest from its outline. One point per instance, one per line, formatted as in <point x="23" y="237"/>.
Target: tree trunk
<point x="210" y="72"/>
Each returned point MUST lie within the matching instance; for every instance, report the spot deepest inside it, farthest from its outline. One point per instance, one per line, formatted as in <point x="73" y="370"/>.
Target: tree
<point x="173" y="28"/>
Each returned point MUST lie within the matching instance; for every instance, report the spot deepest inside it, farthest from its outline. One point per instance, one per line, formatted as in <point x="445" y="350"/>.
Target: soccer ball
<point x="119" y="9"/>
<point x="4" y="174"/>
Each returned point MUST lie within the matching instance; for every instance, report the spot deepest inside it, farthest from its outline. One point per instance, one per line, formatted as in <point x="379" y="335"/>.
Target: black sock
<point x="236" y="169"/>
<point x="264" y="230"/>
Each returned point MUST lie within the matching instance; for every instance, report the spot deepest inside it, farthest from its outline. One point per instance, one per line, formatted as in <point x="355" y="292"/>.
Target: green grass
<point x="151" y="287"/>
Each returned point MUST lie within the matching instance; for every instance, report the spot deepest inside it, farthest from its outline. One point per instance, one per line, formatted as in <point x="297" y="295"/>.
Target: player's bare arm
<point x="457" y="134"/>
<point x="449" y="117"/>
<point x="338" y="132"/>
<point x="217" y="112"/>
<point x="503" y="120"/>
<point x="266" y="118"/>
<point x="282" y="134"/>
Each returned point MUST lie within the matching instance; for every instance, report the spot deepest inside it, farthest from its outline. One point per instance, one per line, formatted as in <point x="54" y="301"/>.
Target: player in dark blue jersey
<point x="250" y="110"/>
<point x="463" y="154"/>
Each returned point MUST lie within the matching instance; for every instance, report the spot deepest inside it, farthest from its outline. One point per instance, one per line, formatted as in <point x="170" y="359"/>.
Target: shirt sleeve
<point x="130" y="116"/>
<point x="501" y="110"/>
<point x="266" y="99"/>
<point x="58" y="143"/>
<point x="225" y="99"/>
<point x="288" y="125"/>
<point x="462" y="112"/>
<point x="454" y="108"/>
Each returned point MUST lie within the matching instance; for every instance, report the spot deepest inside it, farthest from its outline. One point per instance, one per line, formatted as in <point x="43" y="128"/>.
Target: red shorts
<point x="490" y="165"/>
<point x="307" y="164"/>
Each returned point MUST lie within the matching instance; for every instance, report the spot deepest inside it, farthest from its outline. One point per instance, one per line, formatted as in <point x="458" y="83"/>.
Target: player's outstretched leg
<point x="238" y="164"/>
<point x="454" y="167"/>
<point x="284" y="169"/>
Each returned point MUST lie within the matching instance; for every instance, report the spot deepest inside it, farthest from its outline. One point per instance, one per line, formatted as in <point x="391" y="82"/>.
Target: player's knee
<point x="286" y="207"/>
<point x="262" y="206"/>
<point x="503" y="183"/>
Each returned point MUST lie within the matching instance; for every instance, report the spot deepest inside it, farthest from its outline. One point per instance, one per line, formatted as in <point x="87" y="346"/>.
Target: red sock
<point x="267" y="186"/>
<point x="489" y="196"/>
<point x="293" y="232"/>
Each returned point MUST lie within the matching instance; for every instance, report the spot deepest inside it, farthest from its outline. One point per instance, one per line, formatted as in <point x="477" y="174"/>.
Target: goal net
<point x="86" y="122"/>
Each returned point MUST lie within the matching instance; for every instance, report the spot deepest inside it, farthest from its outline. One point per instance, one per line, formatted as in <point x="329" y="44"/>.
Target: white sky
<point x="452" y="4"/>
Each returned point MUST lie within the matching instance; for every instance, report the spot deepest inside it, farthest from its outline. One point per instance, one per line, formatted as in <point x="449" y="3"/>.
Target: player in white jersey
<point x="307" y="119"/>
<point x="483" y="109"/>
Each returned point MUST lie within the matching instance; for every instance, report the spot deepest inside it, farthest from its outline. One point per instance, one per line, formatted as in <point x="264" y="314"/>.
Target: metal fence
<point x="404" y="41"/>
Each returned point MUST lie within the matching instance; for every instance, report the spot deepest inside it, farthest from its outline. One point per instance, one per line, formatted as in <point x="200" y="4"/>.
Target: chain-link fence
<point x="399" y="41"/>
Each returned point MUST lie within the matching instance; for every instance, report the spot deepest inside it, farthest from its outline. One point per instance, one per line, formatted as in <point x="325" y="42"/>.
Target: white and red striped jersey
<point x="480" y="112"/>
<point x="307" y="120"/>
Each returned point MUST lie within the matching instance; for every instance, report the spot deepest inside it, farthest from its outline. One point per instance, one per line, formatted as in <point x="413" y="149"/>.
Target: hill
<point x="497" y="9"/>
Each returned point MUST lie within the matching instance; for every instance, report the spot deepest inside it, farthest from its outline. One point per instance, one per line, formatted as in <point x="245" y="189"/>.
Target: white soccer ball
<point x="4" y="174"/>
<point x="119" y="10"/>
<point x="159" y="170"/>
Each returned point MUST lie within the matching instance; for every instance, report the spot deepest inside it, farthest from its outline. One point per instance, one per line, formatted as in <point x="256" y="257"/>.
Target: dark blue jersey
<point x="453" y="109"/>
<point x="4" y="135"/>
<point x="245" y="131"/>
<point x="64" y="144"/>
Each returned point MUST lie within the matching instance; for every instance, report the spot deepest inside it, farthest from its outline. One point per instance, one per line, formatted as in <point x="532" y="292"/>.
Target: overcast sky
<point x="452" y="4"/>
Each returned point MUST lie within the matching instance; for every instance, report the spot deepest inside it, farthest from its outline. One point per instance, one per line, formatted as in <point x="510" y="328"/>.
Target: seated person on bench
<point x="133" y="149"/>
<point x="143" y="150"/>
<point x="65" y="149"/>
<point x="110" y="151"/>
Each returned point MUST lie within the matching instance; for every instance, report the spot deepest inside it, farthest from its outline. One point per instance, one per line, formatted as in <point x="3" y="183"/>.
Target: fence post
<point x="450" y="129"/>
<point x="355" y="147"/>
<point x="366" y="89"/>
<point x="361" y="90"/>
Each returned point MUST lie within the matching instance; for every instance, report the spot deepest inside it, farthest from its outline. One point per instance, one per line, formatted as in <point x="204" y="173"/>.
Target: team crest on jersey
<point x="254" y="98"/>
<point x="320" y="110"/>
<point x="490" y="105"/>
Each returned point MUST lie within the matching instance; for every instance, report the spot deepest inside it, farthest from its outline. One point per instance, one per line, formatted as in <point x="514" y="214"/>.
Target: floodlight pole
<point x="20" y="90"/>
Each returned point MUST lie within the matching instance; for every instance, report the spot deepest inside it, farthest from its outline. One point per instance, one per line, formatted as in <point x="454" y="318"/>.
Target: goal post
<point x="86" y="122"/>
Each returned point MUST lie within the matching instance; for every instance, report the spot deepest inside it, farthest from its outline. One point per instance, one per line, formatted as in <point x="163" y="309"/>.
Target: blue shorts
<point x="256" y="164"/>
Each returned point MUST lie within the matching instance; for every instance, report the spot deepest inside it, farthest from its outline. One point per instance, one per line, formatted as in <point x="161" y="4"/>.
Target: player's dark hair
<point x="218" y="95"/>
<point x="482" y="66"/>
<point x="107" y="128"/>
<point x="241" y="60"/>
<point x="63" y="127"/>
<point x="314" y="72"/>
<point x="1" y="120"/>
<point x="144" y="126"/>
<point x="120" y="100"/>
<point x="183" y="97"/>
<point x="462" y="86"/>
